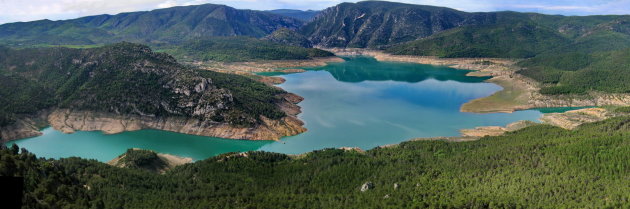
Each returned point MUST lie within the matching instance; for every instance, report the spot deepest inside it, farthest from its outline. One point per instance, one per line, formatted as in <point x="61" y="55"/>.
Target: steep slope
<point x="161" y="25"/>
<point x="376" y="23"/>
<point x="128" y="87"/>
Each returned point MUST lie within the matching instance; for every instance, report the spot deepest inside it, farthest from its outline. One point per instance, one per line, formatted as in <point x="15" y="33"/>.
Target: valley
<point x="368" y="104"/>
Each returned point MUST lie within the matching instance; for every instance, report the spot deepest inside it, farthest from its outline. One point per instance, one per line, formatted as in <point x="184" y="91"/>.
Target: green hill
<point x="158" y="26"/>
<point x="517" y="40"/>
<point x="127" y="78"/>
<point x="537" y="167"/>
<point x="288" y="37"/>
<point x="236" y="49"/>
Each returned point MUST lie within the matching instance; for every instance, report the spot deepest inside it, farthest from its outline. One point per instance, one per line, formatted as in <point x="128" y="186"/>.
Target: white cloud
<point x="28" y="10"/>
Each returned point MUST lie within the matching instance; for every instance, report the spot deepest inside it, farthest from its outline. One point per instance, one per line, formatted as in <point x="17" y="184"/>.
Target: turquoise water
<point x="104" y="147"/>
<point x="358" y="103"/>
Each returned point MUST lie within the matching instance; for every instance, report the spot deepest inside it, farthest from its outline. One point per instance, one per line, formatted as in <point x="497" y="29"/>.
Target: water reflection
<point x="359" y="69"/>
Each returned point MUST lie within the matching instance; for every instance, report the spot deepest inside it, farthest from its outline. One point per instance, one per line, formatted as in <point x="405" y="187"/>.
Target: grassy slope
<point x="537" y="167"/>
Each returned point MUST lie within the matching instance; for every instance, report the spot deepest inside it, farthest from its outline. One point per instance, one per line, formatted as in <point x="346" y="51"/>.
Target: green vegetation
<point x="288" y="37"/>
<point x="170" y="25"/>
<point x="135" y="158"/>
<point x="237" y="49"/>
<point x="607" y="71"/>
<point x="516" y="40"/>
<point x="127" y="78"/>
<point x="618" y="109"/>
<point x="537" y="167"/>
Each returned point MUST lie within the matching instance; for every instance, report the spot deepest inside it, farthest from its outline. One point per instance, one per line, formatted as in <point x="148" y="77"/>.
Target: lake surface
<point x="358" y="103"/>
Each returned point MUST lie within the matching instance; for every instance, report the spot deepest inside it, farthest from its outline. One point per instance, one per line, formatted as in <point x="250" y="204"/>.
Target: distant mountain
<point x="305" y="16"/>
<point x="162" y="25"/>
<point x="376" y="23"/>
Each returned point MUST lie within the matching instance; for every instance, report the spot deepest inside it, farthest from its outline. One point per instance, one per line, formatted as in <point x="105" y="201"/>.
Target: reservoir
<point x="358" y="103"/>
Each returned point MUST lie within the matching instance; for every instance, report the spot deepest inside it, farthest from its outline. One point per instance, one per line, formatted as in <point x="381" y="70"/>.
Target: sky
<point x="29" y="10"/>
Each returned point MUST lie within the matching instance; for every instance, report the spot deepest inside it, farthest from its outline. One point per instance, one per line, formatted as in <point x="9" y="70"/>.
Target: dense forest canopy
<point x="537" y="167"/>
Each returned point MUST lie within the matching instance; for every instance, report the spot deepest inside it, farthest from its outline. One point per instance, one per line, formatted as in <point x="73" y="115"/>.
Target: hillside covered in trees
<point x="238" y="49"/>
<point x="127" y="78"/>
<point x="157" y="26"/>
<point x="536" y="167"/>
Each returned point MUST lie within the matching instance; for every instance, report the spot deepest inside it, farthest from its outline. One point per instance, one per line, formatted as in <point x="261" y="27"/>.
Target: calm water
<point x="359" y="103"/>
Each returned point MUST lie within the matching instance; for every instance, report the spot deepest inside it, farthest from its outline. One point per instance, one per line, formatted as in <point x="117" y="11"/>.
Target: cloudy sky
<point x="28" y="10"/>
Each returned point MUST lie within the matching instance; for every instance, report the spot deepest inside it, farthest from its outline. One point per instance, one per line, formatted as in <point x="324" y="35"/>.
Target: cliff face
<point x="71" y="120"/>
<point x="377" y="23"/>
<point x="25" y="127"/>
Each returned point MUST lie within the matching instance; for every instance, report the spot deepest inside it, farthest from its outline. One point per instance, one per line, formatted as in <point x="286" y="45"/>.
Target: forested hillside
<point x="238" y="49"/>
<point x="288" y="37"/>
<point x="158" y="26"/>
<point x="537" y="167"/>
<point x="513" y="40"/>
<point x="377" y="23"/>
<point x="127" y="78"/>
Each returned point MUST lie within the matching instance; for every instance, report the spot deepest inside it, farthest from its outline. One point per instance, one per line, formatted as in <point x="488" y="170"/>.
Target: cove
<point x="358" y="103"/>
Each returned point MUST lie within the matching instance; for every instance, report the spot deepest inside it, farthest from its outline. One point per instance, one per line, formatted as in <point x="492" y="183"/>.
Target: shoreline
<point x="518" y="93"/>
<point x="29" y="125"/>
<point x="68" y="121"/>
<point x="252" y="67"/>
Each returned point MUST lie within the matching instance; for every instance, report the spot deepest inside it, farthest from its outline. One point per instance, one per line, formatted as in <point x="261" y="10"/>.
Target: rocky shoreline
<point x="248" y="68"/>
<point x="69" y="121"/>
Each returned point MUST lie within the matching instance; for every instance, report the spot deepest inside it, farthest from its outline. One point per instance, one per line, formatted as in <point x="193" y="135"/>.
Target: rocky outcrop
<point x="367" y="186"/>
<point x="68" y="121"/>
<point x="25" y="127"/>
<point x="574" y="118"/>
<point x="154" y="162"/>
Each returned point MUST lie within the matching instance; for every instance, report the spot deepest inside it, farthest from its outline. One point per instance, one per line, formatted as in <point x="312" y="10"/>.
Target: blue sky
<point x="28" y="10"/>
